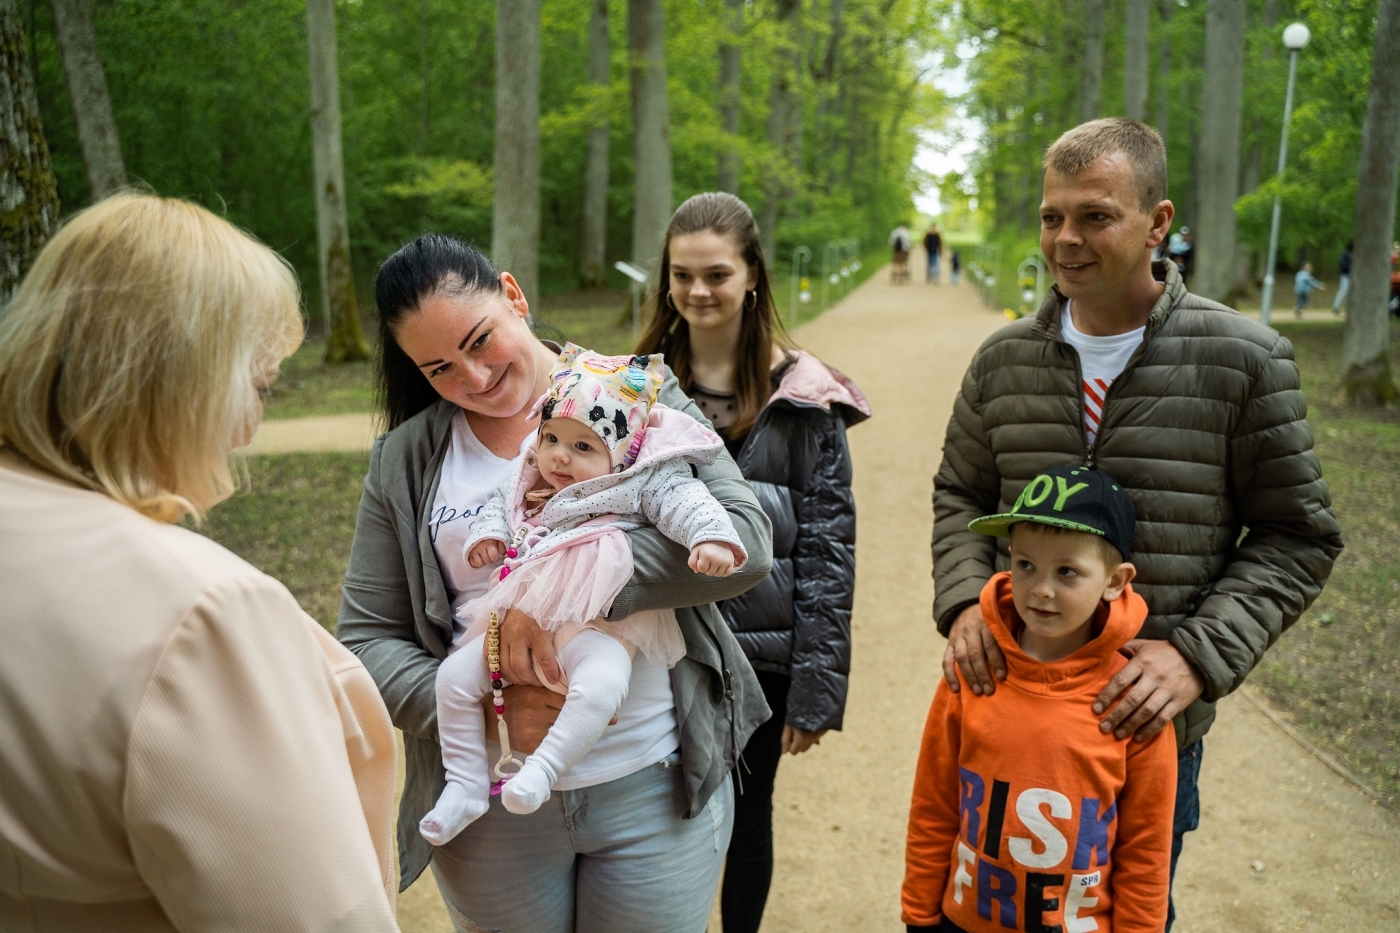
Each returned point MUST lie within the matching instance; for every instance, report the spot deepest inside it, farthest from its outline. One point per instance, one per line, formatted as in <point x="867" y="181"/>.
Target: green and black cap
<point x="1077" y="498"/>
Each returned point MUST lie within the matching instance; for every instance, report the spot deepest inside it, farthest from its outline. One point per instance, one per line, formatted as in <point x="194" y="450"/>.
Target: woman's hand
<point x="530" y="711"/>
<point x="523" y="644"/>
<point x="796" y="741"/>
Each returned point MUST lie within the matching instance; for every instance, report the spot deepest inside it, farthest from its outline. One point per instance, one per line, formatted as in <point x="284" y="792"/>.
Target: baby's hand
<point x="712" y="559"/>
<point x="486" y="551"/>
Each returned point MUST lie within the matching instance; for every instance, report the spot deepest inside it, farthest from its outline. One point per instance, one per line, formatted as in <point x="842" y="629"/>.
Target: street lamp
<point x="1295" y="37"/>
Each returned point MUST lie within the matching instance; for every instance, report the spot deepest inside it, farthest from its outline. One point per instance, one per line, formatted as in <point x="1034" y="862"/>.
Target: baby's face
<point x="570" y="453"/>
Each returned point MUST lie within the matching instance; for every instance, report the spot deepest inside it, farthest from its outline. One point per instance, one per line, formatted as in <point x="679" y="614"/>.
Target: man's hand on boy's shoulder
<point x="973" y="647"/>
<point x="1162" y="684"/>
<point x="1159" y="682"/>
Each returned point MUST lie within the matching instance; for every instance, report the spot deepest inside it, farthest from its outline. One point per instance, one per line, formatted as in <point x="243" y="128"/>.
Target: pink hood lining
<point x="809" y="381"/>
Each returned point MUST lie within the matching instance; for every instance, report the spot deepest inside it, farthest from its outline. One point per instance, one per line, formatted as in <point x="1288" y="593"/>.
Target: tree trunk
<point x="832" y="91"/>
<point x="1164" y="71"/>
<point x="515" y="210"/>
<point x="595" y="195"/>
<point x="87" y="87"/>
<point x="779" y="130"/>
<point x="646" y="40"/>
<point x="1245" y="253"/>
<point x="425" y="75"/>
<point x="28" y="192"/>
<point x="1091" y="64"/>
<point x="1135" y="60"/>
<point x="345" y="340"/>
<point x="1221" y="104"/>
<point x="730" y="58"/>
<point x="1365" y="363"/>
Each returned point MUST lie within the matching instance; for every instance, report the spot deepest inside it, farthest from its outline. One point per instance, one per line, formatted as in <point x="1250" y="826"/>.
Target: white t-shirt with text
<point x="1101" y="360"/>
<point x="646" y="730"/>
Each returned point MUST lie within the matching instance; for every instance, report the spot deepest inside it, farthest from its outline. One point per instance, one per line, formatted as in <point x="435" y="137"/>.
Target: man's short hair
<point x="1081" y="147"/>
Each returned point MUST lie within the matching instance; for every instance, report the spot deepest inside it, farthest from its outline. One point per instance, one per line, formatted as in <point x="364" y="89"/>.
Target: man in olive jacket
<point x="1191" y="407"/>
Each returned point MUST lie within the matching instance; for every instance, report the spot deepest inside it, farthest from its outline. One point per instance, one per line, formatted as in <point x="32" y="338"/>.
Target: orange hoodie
<point x="1025" y="816"/>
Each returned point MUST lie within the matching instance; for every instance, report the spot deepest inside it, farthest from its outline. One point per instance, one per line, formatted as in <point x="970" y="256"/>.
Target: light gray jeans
<point x="614" y="857"/>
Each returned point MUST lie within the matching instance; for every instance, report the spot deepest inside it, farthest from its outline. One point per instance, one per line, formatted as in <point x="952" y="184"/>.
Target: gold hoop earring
<point x="671" y="302"/>
<point x="749" y="306"/>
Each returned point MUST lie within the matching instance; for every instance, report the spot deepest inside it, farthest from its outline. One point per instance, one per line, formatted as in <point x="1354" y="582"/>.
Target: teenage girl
<point x="783" y="414"/>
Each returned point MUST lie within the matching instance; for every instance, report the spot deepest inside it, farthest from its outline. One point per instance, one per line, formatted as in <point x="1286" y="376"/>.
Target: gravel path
<point x="1284" y="844"/>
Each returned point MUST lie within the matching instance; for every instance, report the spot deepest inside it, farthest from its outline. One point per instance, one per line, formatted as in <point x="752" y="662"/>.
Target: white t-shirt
<point x="1101" y="360"/>
<point x="646" y="729"/>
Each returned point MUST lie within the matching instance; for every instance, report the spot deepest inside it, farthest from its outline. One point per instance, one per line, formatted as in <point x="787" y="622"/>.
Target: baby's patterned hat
<point x="612" y="395"/>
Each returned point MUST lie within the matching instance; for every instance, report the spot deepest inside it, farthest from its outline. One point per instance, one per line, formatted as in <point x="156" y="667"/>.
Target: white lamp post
<point x="1295" y="37"/>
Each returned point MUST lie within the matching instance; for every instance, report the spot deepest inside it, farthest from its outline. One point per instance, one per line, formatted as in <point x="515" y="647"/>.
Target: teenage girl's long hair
<point x="669" y="334"/>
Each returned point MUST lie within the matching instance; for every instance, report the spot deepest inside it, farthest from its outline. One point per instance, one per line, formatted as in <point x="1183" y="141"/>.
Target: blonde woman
<point x="184" y="748"/>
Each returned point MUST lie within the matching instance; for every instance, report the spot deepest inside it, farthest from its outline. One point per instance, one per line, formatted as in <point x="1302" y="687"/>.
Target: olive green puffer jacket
<point x="1206" y="428"/>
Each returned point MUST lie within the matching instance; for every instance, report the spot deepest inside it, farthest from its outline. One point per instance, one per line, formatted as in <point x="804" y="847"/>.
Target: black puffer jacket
<point x="798" y="621"/>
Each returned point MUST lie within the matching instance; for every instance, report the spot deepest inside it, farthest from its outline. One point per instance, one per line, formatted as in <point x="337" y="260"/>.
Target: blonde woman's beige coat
<point x="181" y="747"/>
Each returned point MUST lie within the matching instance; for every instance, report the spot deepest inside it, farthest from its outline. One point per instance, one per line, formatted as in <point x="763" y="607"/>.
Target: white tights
<point x="599" y="668"/>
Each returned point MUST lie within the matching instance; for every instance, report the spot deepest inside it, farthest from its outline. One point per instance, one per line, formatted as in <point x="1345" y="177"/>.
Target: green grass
<point x="307" y="386"/>
<point x="1337" y="671"/>
<point x="295" y="521"/>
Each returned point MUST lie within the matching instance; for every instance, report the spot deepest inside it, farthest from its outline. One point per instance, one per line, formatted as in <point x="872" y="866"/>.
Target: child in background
<point x="607" y="458"/>
<point x="955" y="263"/>
<point x="1303" y="284"/>
<point x="1026" y="816"/>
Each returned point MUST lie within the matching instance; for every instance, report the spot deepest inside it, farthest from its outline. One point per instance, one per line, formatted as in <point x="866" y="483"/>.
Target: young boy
<point x="1026" y="816"/>
<point x="1303" y="284"/>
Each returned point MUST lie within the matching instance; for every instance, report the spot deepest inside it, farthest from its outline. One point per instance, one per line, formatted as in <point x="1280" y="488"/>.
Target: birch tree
<point x="87" y="89"/>
<point x="1091" y="63"/>
<point x="595" y="193"/>
<point x="1218" y="179"/>
<point x="730" y="64"/>
<point x="28" y="192"/>
<point x="345" y="339"/>
<point x="515" y="214"/>
<point x="646" y="43"/>
<point x="1135" y="60"/>
<point x="1366" y="367"/>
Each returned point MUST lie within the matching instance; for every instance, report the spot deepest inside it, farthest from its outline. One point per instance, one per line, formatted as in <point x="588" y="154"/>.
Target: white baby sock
<point x="529" y="789"/>
<point x="455" y="810"/>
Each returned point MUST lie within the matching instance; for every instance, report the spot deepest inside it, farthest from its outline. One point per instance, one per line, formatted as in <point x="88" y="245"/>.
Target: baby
<point x="607" y="458"/>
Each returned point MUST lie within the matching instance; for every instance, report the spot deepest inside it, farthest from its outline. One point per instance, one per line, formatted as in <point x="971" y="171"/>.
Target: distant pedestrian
<point x="933" y="245"/>
<point x="1343" y="279"/>
<point x="1181" y="253"/>
<point x="1303" y="284"/>
<point x="899" y="245"/>
<point x="955" y="266"/>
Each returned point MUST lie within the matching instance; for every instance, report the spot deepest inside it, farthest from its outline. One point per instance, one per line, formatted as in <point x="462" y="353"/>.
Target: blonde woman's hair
<point x="131" y="355"/>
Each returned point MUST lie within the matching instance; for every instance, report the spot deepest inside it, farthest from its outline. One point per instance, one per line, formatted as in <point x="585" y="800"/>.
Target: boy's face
<point x="571" y="453"/>
<point x="1058" y="581"/>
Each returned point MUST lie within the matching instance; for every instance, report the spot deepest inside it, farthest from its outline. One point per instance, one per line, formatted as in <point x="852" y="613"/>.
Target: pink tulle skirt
<point x="572" y="586"/>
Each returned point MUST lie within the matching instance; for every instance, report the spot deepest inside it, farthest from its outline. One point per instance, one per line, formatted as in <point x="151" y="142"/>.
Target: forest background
<point x="1035" y="69"/>
<point x="211" y="102"/>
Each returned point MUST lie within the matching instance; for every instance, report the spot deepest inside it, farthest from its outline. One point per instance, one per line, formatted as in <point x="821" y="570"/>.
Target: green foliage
<point x="1024" y="76"/>
<point x="211" y="101"/>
